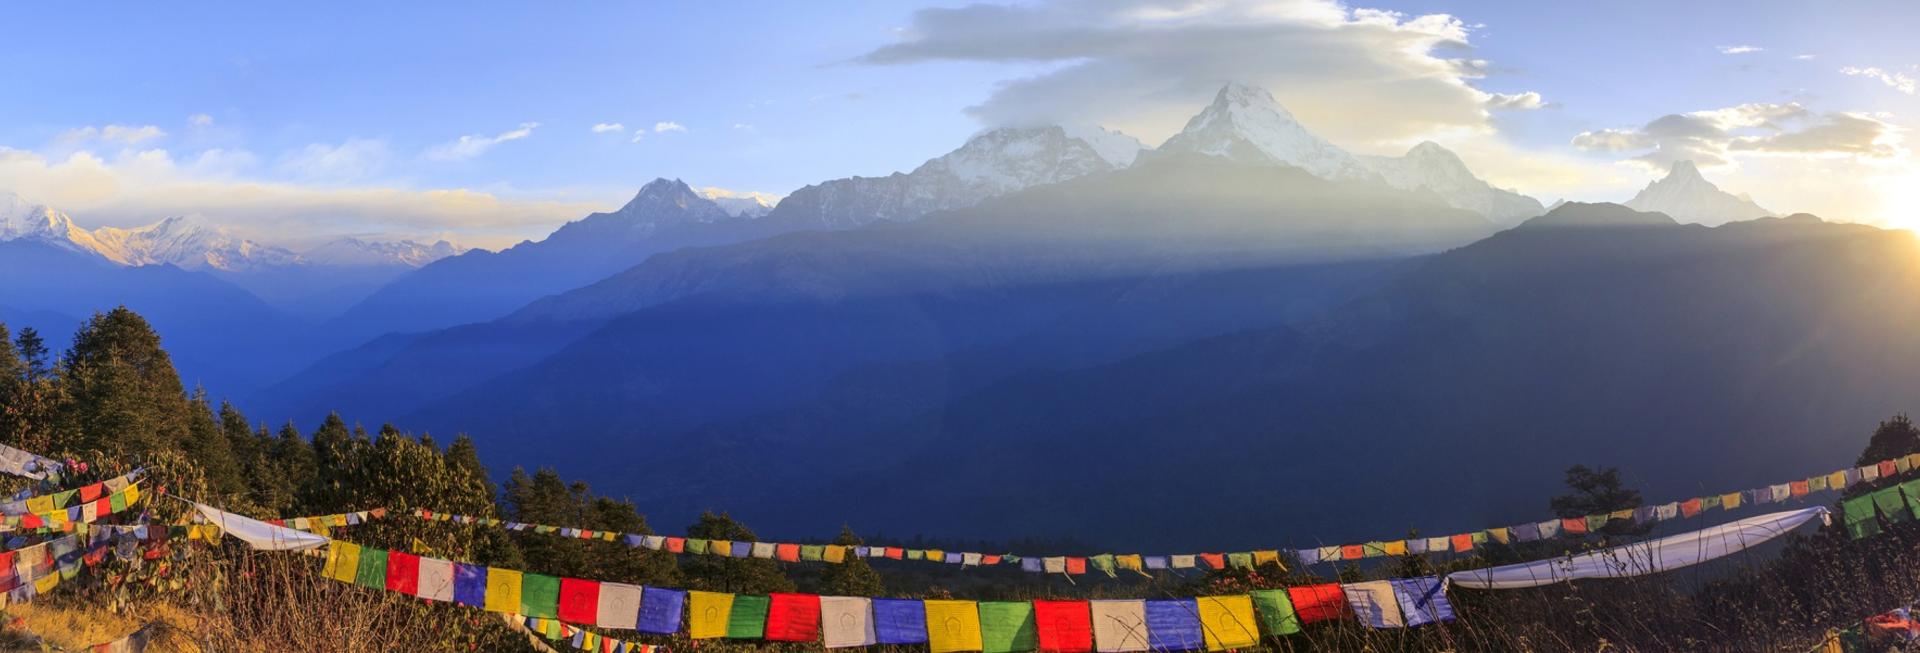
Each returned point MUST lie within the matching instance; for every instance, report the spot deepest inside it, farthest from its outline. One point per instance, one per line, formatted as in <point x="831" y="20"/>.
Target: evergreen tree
<point x="738" y="575"/>
<point x="207" y="446"/>
<point x="241" y="438"/>
<point x="1894" y="438"/>
<point x="333" y="457"/>
<point x="853" y="577"/>
<point x="1598" y="492"/>
<point x="30" y="396"/>
<point x="127" y="400"/>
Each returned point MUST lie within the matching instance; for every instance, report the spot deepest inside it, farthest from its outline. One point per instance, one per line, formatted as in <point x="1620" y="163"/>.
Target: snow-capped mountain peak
<point x="1687" y="196"/>
<point x="352" y="251"/>
<point x="740" y="204"/>
<point x="1116" y="148"/>
<point x="671" y="200"/>
<point x="1431" y="167"/>
<point x="188" y="242"/>
<point x="1245" y="124"/>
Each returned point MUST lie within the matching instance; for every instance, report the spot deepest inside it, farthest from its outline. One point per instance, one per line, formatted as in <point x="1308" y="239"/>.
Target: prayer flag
<point x="812" y="552"/>
<point x="660" y="610"/>
<point x="1156" y="562"/>
<point x="1241" y="560"/>
<point x="1869" y="473"/>
<point x="470" y="585"/>
<point x="1462" y="543"/>
<point x="1911" y="490"/>
<point x="436" y="580"/>
<point x="742" y="549"/>
<point x="1007" y="626"/>
<point x="372" y="572"/>
<point x="503" y="590"/>
<point x="1799" y="489"/>
<point x="539" y="595"/>
<point x="1892" y="506"/>
<point x="1076" y="565"/>
<point x="953" y="626"/>
<point x="1063" y="626"/>
<point x="1394" y="548"/>
<point x="793" y="618"/>
<point x="1030" y="565"/>
<point x="1837" y="480"/>
<point x="1422" y="600"/>
<point x="847" y="621"/>
<point x="1817" y="483"/>
<point x="1730" y="500"/>
<point x="1276" y="611"/>
<point x="1214" y="560"/>
<point x="1573" y="526"/>
<point x="1500" y="535"/>
<point x="1183" y="561"/>
<point x="762" y="550"/>
<point x="403" y="573"/>
<point x="1174" y="625"/>
<point x="1595" y="523"/>
<point x="1119" y="626"/>
<point x="1313" y="603"/>
<point x="343" y="561"/>
<point x="1439" y="544"/>
<point x="787" y="552"/>
<point x="1374" y="603"/>
<point x="1353" y="552"/>
<point x="1887" y="469"/>
<point x="579" y="601"/>
<point x="1328" y="553"/>
<point x="710" y="614"/>
<point x="1417" y="545"/>
<point x="837" y="554"/>
<point x="1130" y="562"/>
<point x="1228" y="622"/>
<point x="1859" y="517"/>
<point x="1266" y="557"/>
<point x="1690" y="507"/>
<point x="1781" y="492"/>
<point x="1055" y="565"/>
<point x="619" y="606"/>
<point x="1103" y="562"/>
<point x="899" y="621"/>
<point x="748" y="619"/>
<point x="1526" y="532"/>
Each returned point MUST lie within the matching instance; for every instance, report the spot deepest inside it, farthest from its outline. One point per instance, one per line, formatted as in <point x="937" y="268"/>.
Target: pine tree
<point x="333" y="456"/>
<point x="127" y="399"/>
<point x="743" y="576"/>
<point x="853" y="577"/>
<point x="1894" y="438"/>
<point x="208" y="447"/>
<point x="32" y="401"/>
<point x="293" y="459"/>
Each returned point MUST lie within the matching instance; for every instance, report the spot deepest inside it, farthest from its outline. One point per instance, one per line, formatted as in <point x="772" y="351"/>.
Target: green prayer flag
<point x="63" y="499"/>
<point x="697" y="546"/>
<point x="372" y="571"/>
<point x="1478" y="537"/>
<point x="812" y="552"/>
<point x="1596" y="522"/>
<point x="916" y="554"/>
<point x="748" y="620"/>
<point x="1244" y="560"/>
<point x="118" y="501"/>
<point x="1859" y="516"/>
<point x="1710" y="502"/>
<point x="540" y="596"/>
<point x="1007" y="626"/>
<point x="1104" y="563"/>
<point x="1892" y="505"/>
<point x="1276" y="612"/>
<point x="1911" y="490"/>
<point x="1373" y="549"/>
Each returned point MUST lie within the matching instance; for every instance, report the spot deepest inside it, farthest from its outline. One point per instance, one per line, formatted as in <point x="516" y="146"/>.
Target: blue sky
<point x="300" y="122"/>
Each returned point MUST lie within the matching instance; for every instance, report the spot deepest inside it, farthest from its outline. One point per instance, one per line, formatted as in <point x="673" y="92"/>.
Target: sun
<point x="1900" y="201"/>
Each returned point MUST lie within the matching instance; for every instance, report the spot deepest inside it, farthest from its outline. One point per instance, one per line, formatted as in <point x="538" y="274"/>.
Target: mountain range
<point x="1245" y="306"/>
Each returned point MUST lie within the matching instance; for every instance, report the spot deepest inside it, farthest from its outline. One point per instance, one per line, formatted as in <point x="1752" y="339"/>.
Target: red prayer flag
<point x="1800" y="489"/>
<point x="896" y="553"/>
<point x="103" y="507"/>
<point x="579" y="600"/>
<point x="1463" y="543"/>
<point x="787" y="552"/>
<point x="793" y="617"/>
<point x="90" y="493"/>
<point x="676" y="544"/>
<point x="1214" y="560"/>
<point x="32" y="520"/>
<point x="1574" y="526"/>
<point x="403" y="573"/>
<point x="1076" y="565"/>
<point x="1888" y="469"/>
<point x="1690" y="507"/>
<point x="1318" y="602"/>
<point x="1353" y="552"/>
<point x="989" y="560"/>
<point x="1065" y="626"/>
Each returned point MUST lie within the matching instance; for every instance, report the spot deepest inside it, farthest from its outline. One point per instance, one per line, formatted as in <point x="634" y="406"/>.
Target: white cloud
<point x="352" y="160"/>
<point x="668" y="126"/>
<point x="741" y="126"/>
<point x="638" y="135"/>
<point x="200" y="120"/>
<point x="605" y="127"/>
<point x="1740" y="49"/>
<point x="1366" y="78"/>
<point x="1805" y="57"/>
<point x="1711" y="137"/>
<point x="468" y="147"/>
<point x="116" y="134"/>
<point x="1514" y="101"/>
<point x="1895" y="80"/>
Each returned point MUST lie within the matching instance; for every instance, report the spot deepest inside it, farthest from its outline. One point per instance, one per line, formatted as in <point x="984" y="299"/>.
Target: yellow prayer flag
<point x="720" y="547"/>
<point x="1730" y="501"/>
<point x="40" y="504"/>
<point x="1264" y="557"/>
<point x="1131" y="561"/>
<point x="1623" y="513"/>
<point x="133" y="494"/>
<point x="1227" y="621"/>
<point x="1913" y="460"/>
<point x="953" y="626"/>
<point x="708" y="614"/>
<point x="503" y="590"/>
<point x="836" y="554"/>
<point x="1394" y="548"/>
<point x="46" y="583"/>
<point x="1837" y="480"/>
<point x="56" y="519"/>
<point x="936" y="555"/>
<point x="1501" y="535"/>
<point x="343" y="561"/>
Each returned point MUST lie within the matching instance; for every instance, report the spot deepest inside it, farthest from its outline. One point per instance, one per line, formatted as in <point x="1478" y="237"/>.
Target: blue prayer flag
<point x="742" y="549"/>
<point x="660" y="610"/>
<point x="470" y="585"/>
<point x="1030" y="565"/>
<point x="1174" y="625"/>
<point x="1422" y="601"/>
<point x="899" y="621"/>
<point x="1156" y="562"/>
